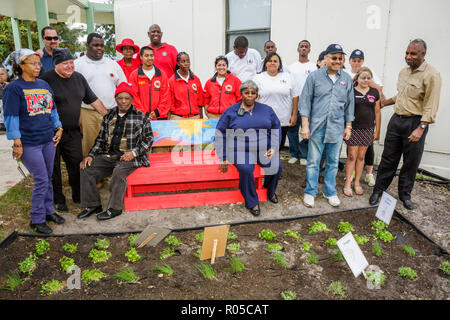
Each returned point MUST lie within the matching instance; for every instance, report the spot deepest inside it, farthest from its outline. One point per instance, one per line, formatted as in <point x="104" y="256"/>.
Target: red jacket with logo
<point x="154" y="93"/>
<point x="185" y="97"/>
<point x="219" y="98"/>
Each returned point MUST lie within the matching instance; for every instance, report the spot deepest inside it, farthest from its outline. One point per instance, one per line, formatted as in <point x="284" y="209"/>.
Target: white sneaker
<point x="308" y="200"/>
<point x="333" y="200"/>
<point x="292" y="160"/>
<point x="370" y="179"/>
<point x="303" y="162"/>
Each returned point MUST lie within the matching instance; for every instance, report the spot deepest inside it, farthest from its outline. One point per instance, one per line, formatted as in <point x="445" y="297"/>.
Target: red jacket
<point x="185" y="98"/>
<point x="136" y="62"/>
<point x="155" y="92"/>
<point x="219" y="98"/>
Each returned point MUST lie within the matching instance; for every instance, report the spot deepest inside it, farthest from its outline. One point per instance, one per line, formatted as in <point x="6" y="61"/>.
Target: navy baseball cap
<point x="357" y="54"/>
<point x="334" y="48"/>
<point x="322" y="55"/>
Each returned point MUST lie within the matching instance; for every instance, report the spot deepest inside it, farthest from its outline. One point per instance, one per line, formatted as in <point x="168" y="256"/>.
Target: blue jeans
<point x="297" y="149"/>
<point x="316" y="148"/>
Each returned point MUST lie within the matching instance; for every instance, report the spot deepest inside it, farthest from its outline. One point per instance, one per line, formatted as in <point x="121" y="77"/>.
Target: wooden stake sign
<point x="151" y="236"/>
<point x="214" y="242"/>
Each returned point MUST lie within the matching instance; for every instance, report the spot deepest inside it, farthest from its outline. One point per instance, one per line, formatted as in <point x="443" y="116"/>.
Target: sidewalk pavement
<point x="9" y="174"/>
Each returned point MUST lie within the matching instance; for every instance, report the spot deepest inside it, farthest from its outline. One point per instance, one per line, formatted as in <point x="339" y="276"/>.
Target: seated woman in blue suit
<point x="249" y="132"/>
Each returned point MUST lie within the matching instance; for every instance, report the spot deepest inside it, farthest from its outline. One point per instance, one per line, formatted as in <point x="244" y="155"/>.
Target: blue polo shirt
<point x="325" y="102"/>
<point x="47" y="62"/>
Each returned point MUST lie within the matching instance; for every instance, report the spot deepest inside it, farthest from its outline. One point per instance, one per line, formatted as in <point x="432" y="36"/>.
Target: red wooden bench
<point x="185" y="179"/>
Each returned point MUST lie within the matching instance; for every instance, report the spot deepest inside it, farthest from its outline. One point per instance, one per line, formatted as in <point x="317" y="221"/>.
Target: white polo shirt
<point x="103" y="76"/>
<point x="300" y="71"/>
<point x="277" y="92"/>
<point x="244" y="68"/>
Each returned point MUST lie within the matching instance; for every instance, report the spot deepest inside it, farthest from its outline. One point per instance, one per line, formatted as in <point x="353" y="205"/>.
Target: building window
<point x="249" y="18"/>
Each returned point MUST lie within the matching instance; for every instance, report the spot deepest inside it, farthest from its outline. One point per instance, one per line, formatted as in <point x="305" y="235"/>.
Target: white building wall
<point x="381" y="28"/>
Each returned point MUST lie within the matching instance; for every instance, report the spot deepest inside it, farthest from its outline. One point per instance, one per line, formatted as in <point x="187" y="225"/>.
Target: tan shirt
<point x="418" y="92"/>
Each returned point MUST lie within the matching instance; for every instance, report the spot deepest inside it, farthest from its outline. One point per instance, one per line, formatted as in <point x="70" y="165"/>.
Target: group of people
<point x="96" y="114"/>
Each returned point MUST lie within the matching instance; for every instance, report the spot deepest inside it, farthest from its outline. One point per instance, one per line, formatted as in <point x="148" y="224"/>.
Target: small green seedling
<point x="279" y="258"/>
<point x="345" y="227"/>
<point x="13" y="280"/>
<point x="66" y="263"/>
<point x="232" y="235"/>
<point x="409" y="250"/>
<point x="318" y="227"/>
<point x="126" y="275"/>
<point x="99" y="255"/>
<point x="267" y="235"/>
<point x="166" y="253"/>
<point x="236" y="264"/>
<point x="274" y="247"/>
<point x="292" y="234"/>
<point x="361" y="240"/>
<point x="306" y="246"/>
<point x="102" y="244"/>
<point x="339" y="256"/>
<point x="206" y="270"/>
<point x="94" y="275"/>
<point x="42" y="246"/>
<point x="71" y="248"/>
<point x="234" y="247"/>
<point x="384" y="235"/>
<point x="198" y="253"/>
<point x="445" y="267"/>
<point x="331" y="241"/>
<point x="378" y="225"/>
<point x="288" y="295"/>
<point x="376" y="277"/>
<point x="312" y="258"/>
<point x="199" y="236"/>
<point x="376" y="248"/>
<point x="131" y="239"/>
<point x="51" y="287"/>
<point x="29" y="264"/>
<point x="164" y="269"/>
<point x="408" y="273"/>
<point x="173" y="241"/>
<point x="337" y="288"/>
<point x="132" y="255"/>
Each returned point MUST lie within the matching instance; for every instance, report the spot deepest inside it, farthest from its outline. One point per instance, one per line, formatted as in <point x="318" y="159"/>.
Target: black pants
<point x="72" y="154"/>
<point x="369" y="158"/>
<point x="396" y="144"/>
<point x="284" y="131"/>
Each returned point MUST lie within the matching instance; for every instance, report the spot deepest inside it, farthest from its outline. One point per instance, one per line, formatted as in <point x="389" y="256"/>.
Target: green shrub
<point x="267" y="235"/>
<point x="51" y="287"/>
<point x="42" y="246"/>
<point x="132" y="255"/>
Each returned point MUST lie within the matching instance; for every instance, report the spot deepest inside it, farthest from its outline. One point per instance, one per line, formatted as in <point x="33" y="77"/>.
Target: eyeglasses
<point x="51" y="38"/>
<point x="34" y="64"/>
<point x="336" y="58"/>
<point x="365" y="78"/>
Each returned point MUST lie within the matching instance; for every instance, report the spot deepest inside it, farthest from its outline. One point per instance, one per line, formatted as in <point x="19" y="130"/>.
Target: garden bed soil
<point x="262" y="279"/>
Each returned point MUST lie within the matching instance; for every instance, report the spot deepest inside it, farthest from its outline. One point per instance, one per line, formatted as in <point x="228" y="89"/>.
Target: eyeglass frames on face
<point x="337" y="58"/>
<point x="34" y="64"/>
<point x="51" y="38"/>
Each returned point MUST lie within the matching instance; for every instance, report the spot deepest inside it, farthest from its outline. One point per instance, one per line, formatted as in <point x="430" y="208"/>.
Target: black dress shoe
<point x="374" y="198"/>
<point x="41" y="228"/>
<point x="274" y="198"/>
<point x="109" y="214"/>
<point x="255" y="212"/>
<point x="61" y="207"/>
<point x="88" y="211"/>
<point x="408" y="204"/>
<point x="55" y="218"/>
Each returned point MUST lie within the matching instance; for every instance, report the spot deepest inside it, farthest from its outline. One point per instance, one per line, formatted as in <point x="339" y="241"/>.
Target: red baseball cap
<point x="127" y="43"/>
<point x="124" y="87"/>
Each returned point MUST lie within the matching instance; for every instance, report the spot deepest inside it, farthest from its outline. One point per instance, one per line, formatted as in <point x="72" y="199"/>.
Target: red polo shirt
<point x="136" y="63"/>
<point x="185" y="97"/>
<point x="219" y="98"/>
<point x="165" y="58"/>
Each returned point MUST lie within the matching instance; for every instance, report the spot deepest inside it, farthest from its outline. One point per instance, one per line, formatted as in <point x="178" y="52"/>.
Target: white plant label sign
<point x="386" y="208"/>
<point x="352" y="254"/>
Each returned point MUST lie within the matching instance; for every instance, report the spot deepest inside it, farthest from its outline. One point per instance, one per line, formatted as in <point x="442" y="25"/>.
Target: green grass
<point x="409" y="250"/>
<point x="126" y="275"/>
<point x="206" y="270"/>
<point x="13" y="280"/>
<point x="17" y="200"/>
<point x="337" y="288"/>
<point x="376" y="248"/>
<point x="288" y="295"/>
<point x="279" y="258"/>
<point x="164" y="268"/>
<point x="408" y="273"/>
<point x="312" y="258"/>
<point x="166" y="253"/>
<point x="236" y="264"/>
<point x="51" y="287"/>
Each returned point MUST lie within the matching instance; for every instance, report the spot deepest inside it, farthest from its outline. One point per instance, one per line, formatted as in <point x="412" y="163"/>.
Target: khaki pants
<point x="175" y="117"/>
<point x="91" y="122"/>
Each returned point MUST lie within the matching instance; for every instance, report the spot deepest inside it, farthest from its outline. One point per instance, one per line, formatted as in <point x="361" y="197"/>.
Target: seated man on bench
<point x="120" y="148"/>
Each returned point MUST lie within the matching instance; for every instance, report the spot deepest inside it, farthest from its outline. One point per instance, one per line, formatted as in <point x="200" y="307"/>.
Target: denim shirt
<point x="47" y="63"/>
<point x="325" y="102"/>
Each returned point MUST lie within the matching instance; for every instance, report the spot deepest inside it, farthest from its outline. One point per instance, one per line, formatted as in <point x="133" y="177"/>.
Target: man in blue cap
<point x="327" y="110"/>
